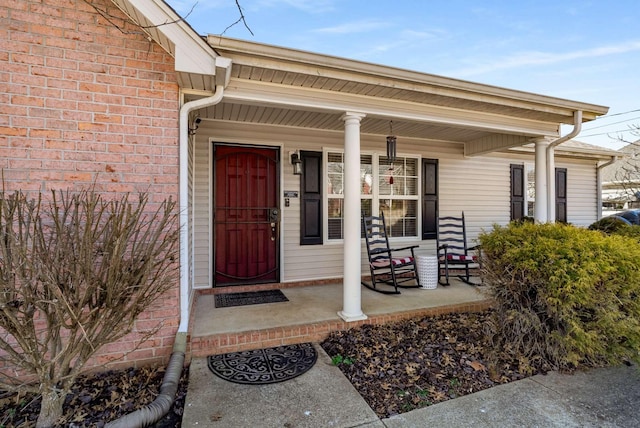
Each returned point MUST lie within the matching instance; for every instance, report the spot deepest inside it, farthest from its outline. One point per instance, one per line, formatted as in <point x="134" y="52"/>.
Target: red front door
<point x="247" y="215"/>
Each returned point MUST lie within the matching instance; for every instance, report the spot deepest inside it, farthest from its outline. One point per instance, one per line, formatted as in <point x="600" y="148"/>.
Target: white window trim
<point x="374" y="196"/>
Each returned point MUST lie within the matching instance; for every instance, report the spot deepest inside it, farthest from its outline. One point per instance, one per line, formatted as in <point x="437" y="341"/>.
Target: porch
<point x="311" y="314"/>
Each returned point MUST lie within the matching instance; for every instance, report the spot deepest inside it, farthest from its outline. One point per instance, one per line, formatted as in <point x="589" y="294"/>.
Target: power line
<point x="612" y="123"/>
<point x="606" y="116"/>
<point x="610" y="132"/>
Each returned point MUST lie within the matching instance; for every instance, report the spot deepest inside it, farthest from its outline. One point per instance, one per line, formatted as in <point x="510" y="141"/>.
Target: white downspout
<point x="599" y="185"/>
<point x="185" y="110"/>
<point x="150" y="414"/>
<point x="551" y="167"/>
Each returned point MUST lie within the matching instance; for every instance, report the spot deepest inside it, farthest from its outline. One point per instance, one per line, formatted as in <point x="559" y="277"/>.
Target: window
<point x="531" y="190"/>
<point x="384" y="187"/>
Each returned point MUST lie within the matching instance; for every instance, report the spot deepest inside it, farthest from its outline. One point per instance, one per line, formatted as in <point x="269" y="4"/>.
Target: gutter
<point x="551" y="177"/>
<point x="599" y="185"/>
<point x="152" y="413"/>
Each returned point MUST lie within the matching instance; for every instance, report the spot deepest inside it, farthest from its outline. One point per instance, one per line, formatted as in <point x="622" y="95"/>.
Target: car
<point x="631" y="217"/>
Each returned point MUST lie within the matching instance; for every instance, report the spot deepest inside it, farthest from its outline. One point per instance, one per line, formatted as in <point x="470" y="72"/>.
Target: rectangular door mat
<point x="249" y="298"/>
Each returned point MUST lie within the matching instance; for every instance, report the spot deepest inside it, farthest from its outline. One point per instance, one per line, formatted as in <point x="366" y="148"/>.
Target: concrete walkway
<point x="323" y="397"/>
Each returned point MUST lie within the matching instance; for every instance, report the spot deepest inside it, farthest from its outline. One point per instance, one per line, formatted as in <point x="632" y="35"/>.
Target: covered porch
<point x="455" y="143"/>
<point x="310" y="314"/>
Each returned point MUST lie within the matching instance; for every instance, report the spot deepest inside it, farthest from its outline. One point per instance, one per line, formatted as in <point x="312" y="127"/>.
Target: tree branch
<point x="110" y="19"/>
<point x="241" y="19"/>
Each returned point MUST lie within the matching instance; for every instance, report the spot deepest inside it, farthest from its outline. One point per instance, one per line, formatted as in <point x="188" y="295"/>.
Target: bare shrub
<point x="75" y="273"/>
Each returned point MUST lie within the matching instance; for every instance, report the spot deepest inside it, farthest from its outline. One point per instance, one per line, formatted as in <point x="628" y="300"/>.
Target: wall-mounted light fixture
<point x="194" y="128"/>
<point x="296" y="162"/>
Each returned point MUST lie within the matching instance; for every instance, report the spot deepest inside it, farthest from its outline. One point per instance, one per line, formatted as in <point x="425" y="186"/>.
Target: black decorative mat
<point x="264" y="366"/>
<point x="249" y="298"/>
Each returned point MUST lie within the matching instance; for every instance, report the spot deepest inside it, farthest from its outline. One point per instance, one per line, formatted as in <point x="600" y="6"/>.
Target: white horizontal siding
<point x="479" y="186"/>
<point x="582" y="205"/>
<point x="202" y="212"/>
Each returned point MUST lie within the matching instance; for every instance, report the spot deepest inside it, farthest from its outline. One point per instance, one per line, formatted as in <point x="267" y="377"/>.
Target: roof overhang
<point x="197" y="65"/>
<point x="290" y="87"/>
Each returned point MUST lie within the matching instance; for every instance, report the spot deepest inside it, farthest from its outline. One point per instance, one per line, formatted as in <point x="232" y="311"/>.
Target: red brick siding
<point x="83" y="102"/>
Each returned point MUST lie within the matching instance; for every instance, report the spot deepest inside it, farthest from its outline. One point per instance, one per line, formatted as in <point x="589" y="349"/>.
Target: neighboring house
<point x="123" y="94"/>
<point x="621" y="181"/>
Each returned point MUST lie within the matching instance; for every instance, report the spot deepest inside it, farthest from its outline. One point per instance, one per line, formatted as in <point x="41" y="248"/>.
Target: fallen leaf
<point x="477" y="365"/>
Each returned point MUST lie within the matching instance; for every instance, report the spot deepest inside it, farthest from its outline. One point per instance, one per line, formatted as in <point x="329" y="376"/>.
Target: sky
<point x="586" y="51"/>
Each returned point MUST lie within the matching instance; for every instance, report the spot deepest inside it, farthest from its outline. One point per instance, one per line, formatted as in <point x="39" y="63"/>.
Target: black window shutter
<point x="561" y="195"/>
<point x="429" y="198"/>
<point x="517" y="192"/>
<point x="311" y="198"/>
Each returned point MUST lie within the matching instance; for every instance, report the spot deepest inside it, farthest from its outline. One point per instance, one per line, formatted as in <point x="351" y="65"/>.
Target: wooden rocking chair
<point x="453" y="252"/>
<point x="386" y="265"/>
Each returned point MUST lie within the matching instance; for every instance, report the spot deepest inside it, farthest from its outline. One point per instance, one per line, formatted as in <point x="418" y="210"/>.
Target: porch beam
<point x="492" y="143"/>
<point x="310" y="99"/>
<point x="351" y="288"/>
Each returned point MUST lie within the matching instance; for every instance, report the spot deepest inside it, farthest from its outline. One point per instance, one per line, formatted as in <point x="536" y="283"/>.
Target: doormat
<point x="264" y="366"/>
<point x="249" y="298"/>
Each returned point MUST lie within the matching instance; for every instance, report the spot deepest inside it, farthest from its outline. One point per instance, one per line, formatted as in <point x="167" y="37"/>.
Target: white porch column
<point x="351" y="288"/>
<point x="551" y="185"/>
<point x="540" y="209"/>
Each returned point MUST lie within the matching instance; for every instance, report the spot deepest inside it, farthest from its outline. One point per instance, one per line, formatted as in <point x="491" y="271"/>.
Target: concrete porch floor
<point x="311" y="314"/>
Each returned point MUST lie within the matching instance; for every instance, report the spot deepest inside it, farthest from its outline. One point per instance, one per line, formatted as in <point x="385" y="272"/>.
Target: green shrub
<point x="564" y="294"/>
<point x="609" y="225"/>
<point x="629" y="231"/>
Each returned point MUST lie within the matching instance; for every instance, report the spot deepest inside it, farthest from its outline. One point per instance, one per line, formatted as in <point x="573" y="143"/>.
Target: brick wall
<point x="82" y="101"/>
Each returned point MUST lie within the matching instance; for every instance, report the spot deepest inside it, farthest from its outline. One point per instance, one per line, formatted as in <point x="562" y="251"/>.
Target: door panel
<point x="247" y="215"/>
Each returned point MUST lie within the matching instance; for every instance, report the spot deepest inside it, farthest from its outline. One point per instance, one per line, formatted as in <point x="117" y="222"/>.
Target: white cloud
<point x="353" y="27"/>
<point x="533" y="58"/>
<point x="309" y="6"/>
<point x="406" y="43"/>
<point x="183" y="7"/>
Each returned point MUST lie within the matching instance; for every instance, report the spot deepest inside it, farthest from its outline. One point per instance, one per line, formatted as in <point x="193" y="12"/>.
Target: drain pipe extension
<point x="152" y="413"/>
<point x="599" y="184"/>
<point x="551" y="179"/>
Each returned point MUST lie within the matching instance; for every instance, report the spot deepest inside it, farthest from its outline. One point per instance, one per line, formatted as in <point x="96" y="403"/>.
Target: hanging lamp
<point x="391" y="144"/>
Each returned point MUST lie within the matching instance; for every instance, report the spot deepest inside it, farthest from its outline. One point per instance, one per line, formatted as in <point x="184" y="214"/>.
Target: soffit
<point x="287" y="87"/>
<point x="425" y="95"/>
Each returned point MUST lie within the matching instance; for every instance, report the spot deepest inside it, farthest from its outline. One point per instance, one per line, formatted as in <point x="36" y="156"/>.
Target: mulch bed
<point x="96" y="400"/>
<point x="414" y="363"/>
<point x="396" y="367"/>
